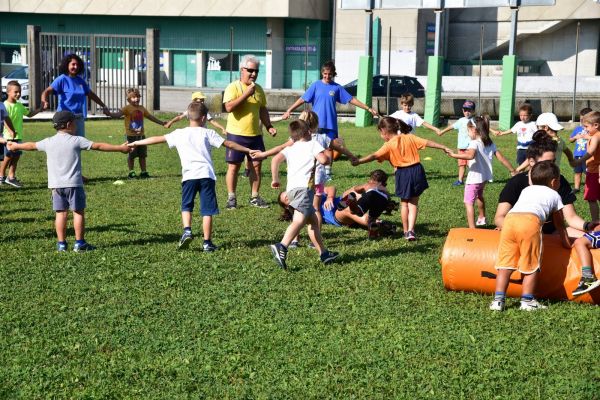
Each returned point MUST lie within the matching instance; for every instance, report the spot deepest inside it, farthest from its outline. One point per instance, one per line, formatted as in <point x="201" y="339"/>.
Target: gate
<point x="112" y="63"/>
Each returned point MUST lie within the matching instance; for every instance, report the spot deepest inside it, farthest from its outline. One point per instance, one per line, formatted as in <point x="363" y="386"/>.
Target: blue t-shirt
<point x="3" y="115"/>
<point x="580" y="144"/>
<point x="323" y="97"/>
<point x="72" y="92"/>
<point x="329" y="215"/>
<point x="463" y="133"/>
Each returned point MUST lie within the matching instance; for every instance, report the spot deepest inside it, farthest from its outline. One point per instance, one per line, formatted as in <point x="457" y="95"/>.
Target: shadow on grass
<point x="149" y="239"/>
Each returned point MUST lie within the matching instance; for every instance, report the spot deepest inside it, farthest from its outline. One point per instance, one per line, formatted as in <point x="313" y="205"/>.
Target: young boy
<point x="520" y="245"/>
<point x="591" y="193"/>
<point x="134" y="130"/>
<point x="4" y="122"/>
<point x="524" y="129"/>
<point x="194" y="145"/>
<point x="63" y="152"/>
<point x="407" y="101"/>
<point x="198" y="97"/>
<point x="468" y="108"/>
<point x="301" y="159"/>
<point x="583" y="245"/>
<point x="581" y="138"/>
<point x="16" y="112"/>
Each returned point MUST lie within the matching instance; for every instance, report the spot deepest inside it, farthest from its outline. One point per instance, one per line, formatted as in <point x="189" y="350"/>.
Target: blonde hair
<point x="132" y="92"/>
<point x="311" y="118"/>
<point x="591" y="118"/>
<point x="407" y="98"/>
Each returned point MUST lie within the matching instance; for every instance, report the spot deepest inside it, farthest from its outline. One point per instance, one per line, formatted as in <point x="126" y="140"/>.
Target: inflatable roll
<point x="468" y="264"/>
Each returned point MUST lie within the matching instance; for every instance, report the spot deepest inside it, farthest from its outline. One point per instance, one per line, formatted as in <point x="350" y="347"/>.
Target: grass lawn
<point x="139" y="319"/>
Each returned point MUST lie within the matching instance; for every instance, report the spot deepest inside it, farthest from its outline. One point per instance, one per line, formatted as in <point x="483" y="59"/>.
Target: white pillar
<point x="200" y="68"/>
<point x="24" y="55"/>
<point x="269" y="68"/>
<point x="165" y="69"/>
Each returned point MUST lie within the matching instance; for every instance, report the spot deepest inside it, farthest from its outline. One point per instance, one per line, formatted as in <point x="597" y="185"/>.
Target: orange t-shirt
<point x="402" y="150"/>
<point x="593" y="163"/>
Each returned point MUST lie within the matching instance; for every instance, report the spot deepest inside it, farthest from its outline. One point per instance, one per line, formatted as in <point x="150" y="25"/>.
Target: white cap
<point x="549" y="120"/>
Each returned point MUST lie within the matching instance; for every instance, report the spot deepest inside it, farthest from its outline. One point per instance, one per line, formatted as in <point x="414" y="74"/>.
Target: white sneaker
<point x="532" y="305"/>
<point x="480" y="222"/>
<point x="497" y="305"/>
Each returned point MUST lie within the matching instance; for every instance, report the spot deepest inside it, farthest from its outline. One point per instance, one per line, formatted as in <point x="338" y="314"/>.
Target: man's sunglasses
<point x="251" y="70"/>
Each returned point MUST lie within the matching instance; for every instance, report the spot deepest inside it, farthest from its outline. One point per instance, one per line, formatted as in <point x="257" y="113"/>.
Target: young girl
<point x="402" y="151"/>
<point x="479" y="153"/>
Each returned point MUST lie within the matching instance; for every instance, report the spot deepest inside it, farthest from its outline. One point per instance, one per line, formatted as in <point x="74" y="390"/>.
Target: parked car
<point x="400" y="84"/>
<point x="20" y="75"/>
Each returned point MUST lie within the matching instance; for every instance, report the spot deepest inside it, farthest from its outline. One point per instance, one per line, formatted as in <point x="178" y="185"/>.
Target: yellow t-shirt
<point x="134" y="119"/>
<point x="244" y="120"/>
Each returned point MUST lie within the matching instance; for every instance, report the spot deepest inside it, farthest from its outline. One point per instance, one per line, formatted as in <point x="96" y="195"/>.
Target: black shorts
<point x="374" y="203"/>
<point x="251" y="142"/>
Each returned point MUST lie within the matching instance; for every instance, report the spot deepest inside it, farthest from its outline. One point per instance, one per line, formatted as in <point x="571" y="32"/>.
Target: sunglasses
<point x="251" y="70"/>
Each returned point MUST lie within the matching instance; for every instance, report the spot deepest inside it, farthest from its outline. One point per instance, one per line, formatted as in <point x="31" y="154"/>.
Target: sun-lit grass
<point x="139" y="319"/>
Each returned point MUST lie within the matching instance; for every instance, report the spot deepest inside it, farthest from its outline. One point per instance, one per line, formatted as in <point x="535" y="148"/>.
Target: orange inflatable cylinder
<point x="469" y="257"/>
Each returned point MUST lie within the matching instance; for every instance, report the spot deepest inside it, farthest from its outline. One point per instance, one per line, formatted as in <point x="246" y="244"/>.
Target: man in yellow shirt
<point x="246" y="103"/>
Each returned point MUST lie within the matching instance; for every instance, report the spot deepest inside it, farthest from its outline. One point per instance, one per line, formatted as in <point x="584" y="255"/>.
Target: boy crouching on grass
<point x="194" y="145"/>
<point x="520" y="245"/>
<point x="63" y="152"/>
<point x="302" y="158"/>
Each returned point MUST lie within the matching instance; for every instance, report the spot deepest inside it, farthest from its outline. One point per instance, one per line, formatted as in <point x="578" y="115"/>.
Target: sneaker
<point x="132" y="175"/>
<point x="258" y="202"/>
<point x="14" y="182"/>
<point x="373" y="230"/>
<point x="209" y="246"/>
<point x="410" y="236"/>
<point x="144" y="175"/>
<point x="294" y="245"/>
<point x="61" y="247"/>
<point x="497" y="305"/>
<point x="80" y="248"/>
<point x="185" y="240"/>
<point x="457" y="183"/>
<point x="480" y="222"/>
<point x="280" y="254"/>
<point x="231" y="204"/>
<point x="328" y="256"/>
<point x="575" y="191"/>
<point x="586" y="285"/>
<point x="532" y="305"/>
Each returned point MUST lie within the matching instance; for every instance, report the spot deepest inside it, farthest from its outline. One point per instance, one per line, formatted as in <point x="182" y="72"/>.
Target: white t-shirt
<point x="524" y="133"/>
<point x="301" y="159"/>
<point x="480" y="168"/>
<point x="411" y="119"/>
<point x="325" y="141"/>
<point x="539" y="200"/>
<point x="194" y="145"/>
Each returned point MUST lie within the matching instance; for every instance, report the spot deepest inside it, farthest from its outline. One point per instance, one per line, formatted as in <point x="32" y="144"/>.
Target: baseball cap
<point x="198" y="95"/>
<point x="61" y="118"/>
<point x="469" y="105"/>
<point x="549" y="120"/>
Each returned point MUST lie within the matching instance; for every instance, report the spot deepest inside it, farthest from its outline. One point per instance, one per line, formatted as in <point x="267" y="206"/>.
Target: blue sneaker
<point x="328" y="256"/>
<point x="80" y="248"/>
<point x="209" y="246"/>
<point x="185" y="240"/>
<point x="61" y="247"/>
<point x="458" y="183"/>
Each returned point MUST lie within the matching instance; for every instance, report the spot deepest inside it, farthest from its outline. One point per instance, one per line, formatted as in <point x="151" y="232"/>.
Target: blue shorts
<point x="72" y="198"/>
<point x="593" y="237"/>
<point x="580" y="169"/>
<point x="208" y="196"/>
<point x="410" y="181"/>
<point x="521" y="156"/>
<point x="80" y="124"/>
<point x="251" y="142"/>
<point x="8" y="153"/>
<point x="331" y="133"/>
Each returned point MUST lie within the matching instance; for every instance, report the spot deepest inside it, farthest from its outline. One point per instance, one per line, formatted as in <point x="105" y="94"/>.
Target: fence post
<point x="35" y="66"/>
<point x="153" y="68"/>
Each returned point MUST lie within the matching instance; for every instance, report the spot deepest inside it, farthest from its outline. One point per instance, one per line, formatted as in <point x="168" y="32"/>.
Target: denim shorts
<point x="208" y="196"/>
<point x="72" y="198"/>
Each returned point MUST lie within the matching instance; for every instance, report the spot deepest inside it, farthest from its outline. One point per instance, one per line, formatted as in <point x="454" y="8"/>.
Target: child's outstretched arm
<point x="505" y="162"/>
<point x="123" y="148"/>
<point x="524" y="165"/>
<point x="176" y="118"/>
<point x="559" y="223"/>
<point x="364" y="160"/>
<point x="237" y="147"/>
<point x="275" y="163"/>
<point x="469" y="154"/>
<point x="446" y="129"/>
<point x="14" y="146"/>
<point x="115" y="115"/>
<point x="432" y="128"/>
<point x="213" y="123"/>
<point x="156" y="120"/>
<point x="330" y="193"/>
<point x="435" y="145"/>
<point x="34" y="112"/>
<point x="148" y="141"/>
<point x="271" y="152"/>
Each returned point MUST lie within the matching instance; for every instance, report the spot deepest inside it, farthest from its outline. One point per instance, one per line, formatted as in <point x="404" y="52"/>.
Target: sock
<point x="254" y="195"/>
<point x="230" y="196"/>
<point x="586" y="272"/>
<point x="527" y="297"/>
<point x="499" y="296"/>
<point x="80" y="242"/>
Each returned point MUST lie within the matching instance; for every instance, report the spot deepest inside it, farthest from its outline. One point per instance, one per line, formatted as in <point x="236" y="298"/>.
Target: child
<point x="63" y="152"/>
<point x="524" y="129"/>
<point x="521" y="236"/>
<point x="549" y="123"/>
<point x="199" y="97"/>
<point x="16" y="112"/>
<point x="402" y="151"/>
<point x="194" y="144"/>
<point x="583" y="245"/>
<point x="134" y="130"/>
<point x="480" y="153"/>
<point x="463" y="137"/>
<point x="4" y="121"/>
<point x="301" y="158"/>
<point x="407" y="100"/>
<point x="581" y="138"/>
<point x="591" y="193"/>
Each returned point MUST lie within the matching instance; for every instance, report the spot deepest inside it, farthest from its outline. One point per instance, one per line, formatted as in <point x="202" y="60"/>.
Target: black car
<point x="400" y="84"/>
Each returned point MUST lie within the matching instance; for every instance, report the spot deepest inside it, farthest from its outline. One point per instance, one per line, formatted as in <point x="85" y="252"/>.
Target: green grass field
<point x="139" y="319"/>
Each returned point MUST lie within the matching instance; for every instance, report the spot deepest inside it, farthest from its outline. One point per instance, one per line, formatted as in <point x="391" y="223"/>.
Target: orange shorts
<point x="520" y="245"/>
<point x="461" y="162"/>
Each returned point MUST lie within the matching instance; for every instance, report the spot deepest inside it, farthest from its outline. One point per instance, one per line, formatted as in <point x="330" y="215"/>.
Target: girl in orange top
<point x="402" y="151"/>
